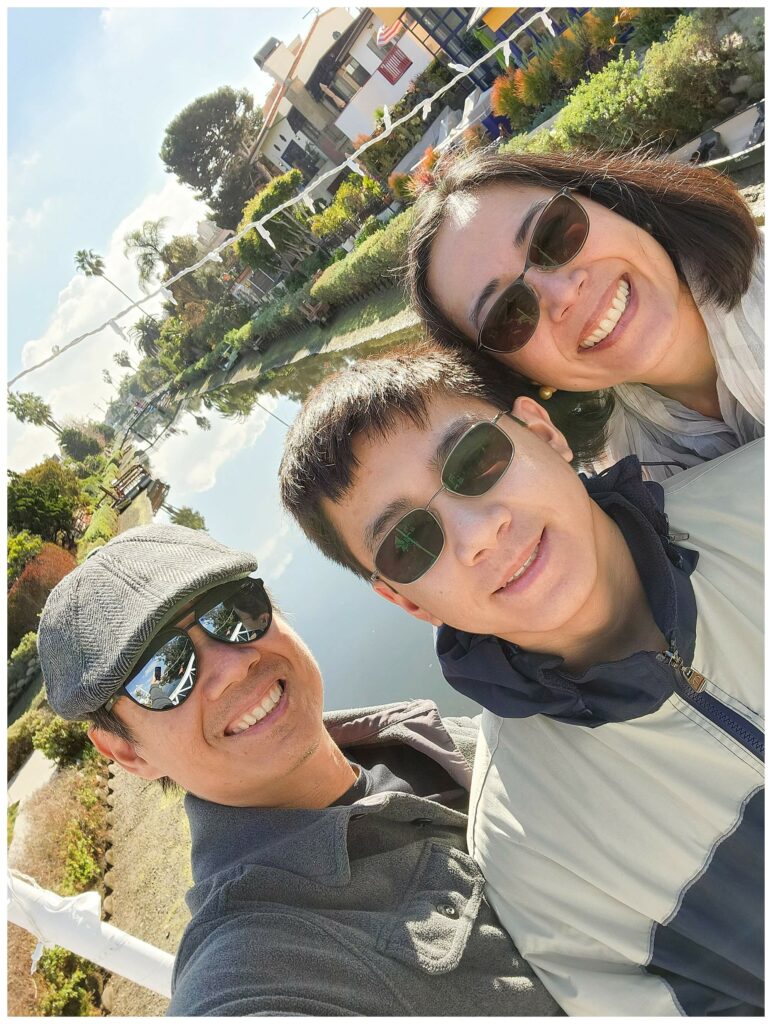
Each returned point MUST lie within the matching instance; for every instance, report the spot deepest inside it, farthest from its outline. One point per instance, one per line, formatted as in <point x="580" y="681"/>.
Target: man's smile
<point x="267" y="704"/>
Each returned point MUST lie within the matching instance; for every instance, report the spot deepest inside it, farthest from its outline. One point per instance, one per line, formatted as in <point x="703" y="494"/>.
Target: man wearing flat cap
<point x="331" y="873"/>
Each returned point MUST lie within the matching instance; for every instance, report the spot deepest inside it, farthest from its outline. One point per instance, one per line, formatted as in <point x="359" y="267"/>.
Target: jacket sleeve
<point x="274" y="963"/>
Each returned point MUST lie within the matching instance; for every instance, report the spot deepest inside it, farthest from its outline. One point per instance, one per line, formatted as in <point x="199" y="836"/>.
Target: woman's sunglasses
<point x="163" y="678"/>
<point x="476" y="462"/>
<point x="557" y="237"/>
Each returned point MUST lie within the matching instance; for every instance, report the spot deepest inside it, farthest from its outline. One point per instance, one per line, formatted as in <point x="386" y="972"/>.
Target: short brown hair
<point x="696" y="214"/>
<point x="108" y="721"/>
<point x="373" y="396"/>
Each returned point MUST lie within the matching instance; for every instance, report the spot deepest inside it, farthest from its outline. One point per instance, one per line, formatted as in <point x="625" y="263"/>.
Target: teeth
<point x="526" y="565"/>
<point x="266" y="705"/>
<point x="610" y="318"/>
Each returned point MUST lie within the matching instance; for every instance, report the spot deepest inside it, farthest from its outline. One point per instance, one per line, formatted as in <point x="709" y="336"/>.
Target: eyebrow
<point x="400" y="506"/>
<point x="493" y="284"/>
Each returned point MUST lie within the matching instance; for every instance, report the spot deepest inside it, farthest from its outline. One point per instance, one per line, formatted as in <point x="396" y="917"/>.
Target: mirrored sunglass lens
<point x="478" y="461"/>
<point x="166" y="678"/>
<point x="512" y="319"/>
<point x="410" y="548"/>
<point x="559" y="235"/>
<point x="240" y="617"/>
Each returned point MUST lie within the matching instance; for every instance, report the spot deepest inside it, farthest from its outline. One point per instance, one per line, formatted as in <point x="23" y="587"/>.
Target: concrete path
<point x="35" y="773"/>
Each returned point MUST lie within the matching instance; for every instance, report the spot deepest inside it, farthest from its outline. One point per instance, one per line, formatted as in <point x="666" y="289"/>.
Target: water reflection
<point x="369" y="651"/>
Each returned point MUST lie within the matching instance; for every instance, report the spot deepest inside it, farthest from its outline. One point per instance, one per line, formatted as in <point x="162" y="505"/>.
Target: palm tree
<point x="146" y="244"/>
<point x="122" y="359"/>
<point x="91" y="264"/>
<point x="145" y="333"/>
<point x="28" y="407"/>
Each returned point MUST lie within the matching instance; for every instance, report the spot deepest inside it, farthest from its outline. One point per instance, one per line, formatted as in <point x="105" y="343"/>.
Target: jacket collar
<point x="313" y="843"/>
<point x="515" y="683"/>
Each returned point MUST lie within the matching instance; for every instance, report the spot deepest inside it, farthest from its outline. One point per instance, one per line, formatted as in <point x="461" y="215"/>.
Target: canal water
<point x="369" y="651"/>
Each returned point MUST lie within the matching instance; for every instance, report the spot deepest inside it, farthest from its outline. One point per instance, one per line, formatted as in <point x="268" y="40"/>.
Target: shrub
<point x="370" y="226"/>
<point x="73" y="984"/>
<point x="252" y="249"/>
<point x="63" y="742"/>
<point x="649" y="25"/>
<point x="103" y="527"/>
<point x="22" y="547"/>
<point x="19" y="736"/>
<point x="378" y="259"/>
<point x="355" y="198"/>
<point x="81" y="867"/>
<point x="43" y="500"/>
<point x="28" y="594"/>
<point x="612" y="110"/>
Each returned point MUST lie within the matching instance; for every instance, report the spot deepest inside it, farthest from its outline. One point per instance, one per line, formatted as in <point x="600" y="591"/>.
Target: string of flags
<point x="423" y="107"/>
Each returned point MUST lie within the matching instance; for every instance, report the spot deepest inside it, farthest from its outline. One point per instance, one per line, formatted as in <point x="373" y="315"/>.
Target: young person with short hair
<point x="612" y="629"/>
<point x="331" y="875"/>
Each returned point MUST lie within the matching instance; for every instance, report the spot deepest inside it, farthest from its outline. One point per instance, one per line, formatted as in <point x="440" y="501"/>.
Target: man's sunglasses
<point x="557" y="237"/>
<point x="233" y="613"/>
<point x="476" y="462"/>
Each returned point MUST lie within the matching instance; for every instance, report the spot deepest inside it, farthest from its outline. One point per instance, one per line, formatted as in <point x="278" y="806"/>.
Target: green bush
<point x="77" y="444"/>
<point x="22" y="547"/>
<point x="73" y="984"/>
<point x="19" y="736"/>
<point x="378" y="259"/>
<point x="613" y="110"/>
<point x="370" y="227"/>
<point x="81" y="867"/>
<point x="356" y="197"/>
<point x="62" y="742"/>
<point x="102" y="528"/>
<point x="649" y="24"/>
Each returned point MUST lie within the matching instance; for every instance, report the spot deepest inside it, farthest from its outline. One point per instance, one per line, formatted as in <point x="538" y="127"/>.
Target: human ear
<point x="117" y="749"/>
<point x="383" y="588"/>
<point x="537" y="420"/>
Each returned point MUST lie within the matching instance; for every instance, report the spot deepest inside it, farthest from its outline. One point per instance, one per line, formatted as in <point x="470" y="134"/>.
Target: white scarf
<point x="659" y="429"/>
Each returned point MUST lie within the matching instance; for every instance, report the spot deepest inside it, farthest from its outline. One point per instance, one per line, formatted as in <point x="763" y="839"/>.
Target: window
<point x="357" y="72"/>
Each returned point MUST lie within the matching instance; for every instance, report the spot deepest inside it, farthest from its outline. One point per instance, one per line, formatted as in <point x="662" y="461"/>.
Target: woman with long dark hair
<point x="634" y="277"/>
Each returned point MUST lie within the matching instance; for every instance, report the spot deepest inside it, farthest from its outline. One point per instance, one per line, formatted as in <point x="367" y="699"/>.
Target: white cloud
<point x="190" y="463"/>
<point x="72" y="383"/>
<point x="274" y="554"/>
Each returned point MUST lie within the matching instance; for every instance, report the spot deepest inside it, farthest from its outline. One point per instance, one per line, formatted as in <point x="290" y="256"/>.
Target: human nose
<point x="557" y="290"/>
<point x="220" y="665"/>
<point x="476" y="527"/>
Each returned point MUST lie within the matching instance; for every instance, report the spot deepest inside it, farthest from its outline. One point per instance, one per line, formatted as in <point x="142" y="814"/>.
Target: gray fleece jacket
<point x="369" y="909"/>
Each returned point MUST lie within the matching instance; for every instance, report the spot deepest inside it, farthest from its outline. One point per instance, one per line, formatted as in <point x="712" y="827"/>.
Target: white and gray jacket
<point x="618" y="815"/>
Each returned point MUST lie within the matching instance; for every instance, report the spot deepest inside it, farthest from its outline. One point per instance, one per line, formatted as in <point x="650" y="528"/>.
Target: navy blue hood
<point x="515" y="683"/>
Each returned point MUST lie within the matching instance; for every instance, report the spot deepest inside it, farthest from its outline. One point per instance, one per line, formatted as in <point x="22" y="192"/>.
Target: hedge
<point x="22" y="547"/>
<point x="19" y="735"/>
<point x="377" y="261"/>
<point x="103" y="527"/>
<point x="28" y="594"/>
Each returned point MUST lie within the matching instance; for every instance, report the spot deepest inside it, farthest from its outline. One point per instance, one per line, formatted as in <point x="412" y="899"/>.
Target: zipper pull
<point x="694" y="678"/>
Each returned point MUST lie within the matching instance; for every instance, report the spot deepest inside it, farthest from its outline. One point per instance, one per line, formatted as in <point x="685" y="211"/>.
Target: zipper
<point x="690" y="684"/>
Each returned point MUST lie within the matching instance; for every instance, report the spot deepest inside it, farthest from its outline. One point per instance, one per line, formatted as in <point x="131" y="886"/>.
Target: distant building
<point x="327" y="89"/>
<point x="209" y="236"/>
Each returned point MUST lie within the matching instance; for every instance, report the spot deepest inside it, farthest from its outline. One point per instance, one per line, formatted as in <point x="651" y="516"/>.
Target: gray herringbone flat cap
<point x="99" y="619"/>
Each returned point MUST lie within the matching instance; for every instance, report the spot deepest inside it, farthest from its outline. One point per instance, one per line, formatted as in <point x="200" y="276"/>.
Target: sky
<point x="90" y="92"/>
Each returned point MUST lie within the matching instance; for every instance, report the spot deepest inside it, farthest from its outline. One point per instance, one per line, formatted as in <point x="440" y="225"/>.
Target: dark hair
<point x="696" y="214"/>
<point x="371" y="397"/>
<point x="108" y="721"/>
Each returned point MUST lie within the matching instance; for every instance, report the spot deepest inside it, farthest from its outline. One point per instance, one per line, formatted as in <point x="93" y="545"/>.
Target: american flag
<point x="387" y="32"/>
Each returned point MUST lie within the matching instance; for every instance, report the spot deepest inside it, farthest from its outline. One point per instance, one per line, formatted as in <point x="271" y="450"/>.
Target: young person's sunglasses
<point x="557" y="237"/>
<point x="476" y="462"/>
<point x="233" y="613"/>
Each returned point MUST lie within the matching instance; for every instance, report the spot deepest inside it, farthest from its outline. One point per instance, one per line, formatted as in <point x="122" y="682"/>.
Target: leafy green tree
<point x="43" y="500"/>
<point x="205" y="147"/>
<point x="28" y="407"/>
<point x="22" y="547"/>
<point x="288" y="230"/>
<point x="187" y="516"/>
<point x="146" y="246"/>
<point x="77" y="444"/>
